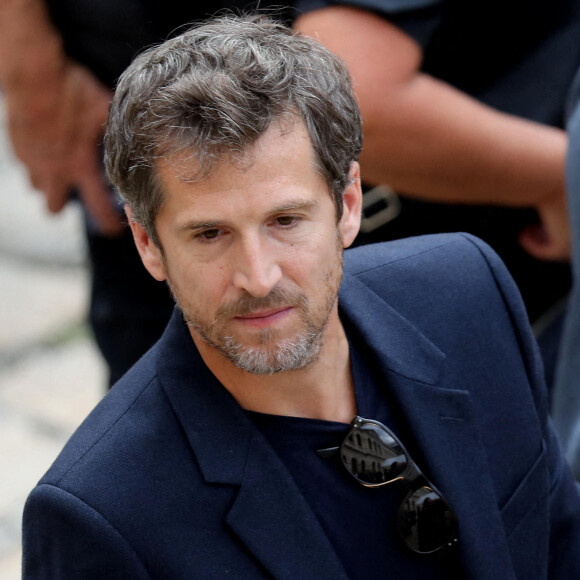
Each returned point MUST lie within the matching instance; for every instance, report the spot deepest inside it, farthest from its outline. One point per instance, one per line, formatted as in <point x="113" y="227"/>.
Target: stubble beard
<point x="272" y="355"/>
<point x="269" y="355"/>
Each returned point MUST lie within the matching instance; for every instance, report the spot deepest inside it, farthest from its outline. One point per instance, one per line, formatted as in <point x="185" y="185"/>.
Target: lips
<point x="263" y="317"/>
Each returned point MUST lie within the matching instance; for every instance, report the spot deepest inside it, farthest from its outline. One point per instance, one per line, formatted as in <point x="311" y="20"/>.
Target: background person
<point x="566" y="407"/>
<point x="59" y="62"/>
<point x="463" y="107"/>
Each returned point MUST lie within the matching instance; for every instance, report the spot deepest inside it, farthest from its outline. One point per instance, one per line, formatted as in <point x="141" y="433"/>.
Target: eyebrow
<point x="297" y="205"/>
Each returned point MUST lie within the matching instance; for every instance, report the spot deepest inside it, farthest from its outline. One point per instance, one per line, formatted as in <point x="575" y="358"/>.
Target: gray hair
<point x="213" y="91"/>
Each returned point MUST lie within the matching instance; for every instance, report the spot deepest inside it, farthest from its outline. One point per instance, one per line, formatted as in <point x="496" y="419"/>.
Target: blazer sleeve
<point x="564" y="496"/>
<point x="64" y="538"/>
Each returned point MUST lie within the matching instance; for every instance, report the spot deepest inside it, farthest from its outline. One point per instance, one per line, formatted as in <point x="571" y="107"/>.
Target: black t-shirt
<point x="359" y="522"/>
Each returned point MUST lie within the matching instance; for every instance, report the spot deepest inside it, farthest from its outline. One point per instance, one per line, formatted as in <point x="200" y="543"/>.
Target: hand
<point x="55" y="132"/>
<point x="549" y="239"/>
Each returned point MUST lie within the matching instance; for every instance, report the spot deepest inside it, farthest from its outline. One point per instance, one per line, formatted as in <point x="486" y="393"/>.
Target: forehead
<point x="280" y="164"/>
<point x="287" y="135"/>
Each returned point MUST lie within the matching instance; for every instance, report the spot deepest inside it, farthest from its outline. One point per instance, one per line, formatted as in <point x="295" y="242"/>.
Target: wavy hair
<point x="213" y="91"/>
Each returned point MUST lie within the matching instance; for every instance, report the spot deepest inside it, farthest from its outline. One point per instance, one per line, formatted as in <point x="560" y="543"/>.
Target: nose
<point x="256" y="269"/>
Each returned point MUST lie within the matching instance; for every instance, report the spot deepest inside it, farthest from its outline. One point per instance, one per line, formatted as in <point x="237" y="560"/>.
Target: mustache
<point x="247" y="304"/>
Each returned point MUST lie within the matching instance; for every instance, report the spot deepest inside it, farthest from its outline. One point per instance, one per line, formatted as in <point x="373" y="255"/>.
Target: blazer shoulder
<point x="108" y="417"/>
<point x="453" y="270"/>
<point x="431" y="253"/>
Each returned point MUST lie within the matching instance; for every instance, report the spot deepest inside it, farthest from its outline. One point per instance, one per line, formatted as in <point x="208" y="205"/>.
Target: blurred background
<point x="51" y="375"/>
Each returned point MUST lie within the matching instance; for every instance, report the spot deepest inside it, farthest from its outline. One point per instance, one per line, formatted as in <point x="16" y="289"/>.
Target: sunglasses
<point x="374" y="456"/>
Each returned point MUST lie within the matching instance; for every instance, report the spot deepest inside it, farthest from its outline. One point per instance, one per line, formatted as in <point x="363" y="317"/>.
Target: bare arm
<point x="56" y="111"/>
<point x="429" y="140"/>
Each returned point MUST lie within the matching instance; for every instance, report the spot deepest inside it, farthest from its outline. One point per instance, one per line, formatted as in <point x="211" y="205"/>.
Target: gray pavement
<point x="50" y="372"/>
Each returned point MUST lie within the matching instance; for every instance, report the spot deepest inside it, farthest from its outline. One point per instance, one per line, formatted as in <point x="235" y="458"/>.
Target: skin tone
<point x="56" y="111"/>
<point x="254" y="252"/>
<point x="426" y="138"/>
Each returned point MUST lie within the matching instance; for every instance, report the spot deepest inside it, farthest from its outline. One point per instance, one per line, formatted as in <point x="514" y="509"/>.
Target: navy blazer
<point x="168" y="478"/>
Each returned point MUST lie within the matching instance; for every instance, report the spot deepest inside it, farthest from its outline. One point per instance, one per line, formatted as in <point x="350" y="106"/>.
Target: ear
<point x="150" y="254"/>
<point x="352" y="206"/>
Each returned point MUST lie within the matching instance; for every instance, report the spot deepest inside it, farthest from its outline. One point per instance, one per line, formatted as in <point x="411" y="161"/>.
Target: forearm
<point x="433" y="142"/>
<point x="426" y="138"/>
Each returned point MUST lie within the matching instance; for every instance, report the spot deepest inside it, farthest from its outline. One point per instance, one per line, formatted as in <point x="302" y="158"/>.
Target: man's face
<point x="253" y="253"/>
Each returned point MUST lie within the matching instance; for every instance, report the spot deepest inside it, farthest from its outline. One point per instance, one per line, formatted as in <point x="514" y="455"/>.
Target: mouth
<point x="264" y="317"/>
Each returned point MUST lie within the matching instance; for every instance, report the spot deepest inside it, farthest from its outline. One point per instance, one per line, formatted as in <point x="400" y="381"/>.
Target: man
<point x="292" y="422"/>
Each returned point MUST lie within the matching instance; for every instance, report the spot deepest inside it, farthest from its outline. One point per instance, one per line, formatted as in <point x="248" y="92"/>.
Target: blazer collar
<point x="443" y="421"/>
<point x="398" y="346"/>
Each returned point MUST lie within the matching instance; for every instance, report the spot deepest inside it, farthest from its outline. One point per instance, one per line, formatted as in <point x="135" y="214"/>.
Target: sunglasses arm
<point x="327" y="453"/>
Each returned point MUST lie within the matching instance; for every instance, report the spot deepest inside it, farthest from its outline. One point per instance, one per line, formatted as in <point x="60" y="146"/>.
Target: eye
<point x="209" y="235"/>
<point x="287" y="220"/>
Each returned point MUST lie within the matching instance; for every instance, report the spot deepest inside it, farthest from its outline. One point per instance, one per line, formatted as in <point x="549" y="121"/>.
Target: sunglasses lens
<point x="372" y="455"/>
<point x="426" y="522"/>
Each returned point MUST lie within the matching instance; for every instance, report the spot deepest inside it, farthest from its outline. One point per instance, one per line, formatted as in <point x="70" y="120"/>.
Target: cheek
<point x="199" y="285"/>
<point x="310" y="268"/>
<point x="213" y="283"/>
<point x="189" y="282"/>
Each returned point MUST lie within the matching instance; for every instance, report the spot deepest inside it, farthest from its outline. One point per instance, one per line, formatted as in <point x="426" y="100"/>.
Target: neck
<point x="322" y="390"/>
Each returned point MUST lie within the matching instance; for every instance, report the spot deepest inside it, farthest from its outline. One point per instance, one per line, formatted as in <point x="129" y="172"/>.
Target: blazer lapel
<point x="269" y="514"/>
<point x="443" y="422"/>
<point x="277" y="525"/>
